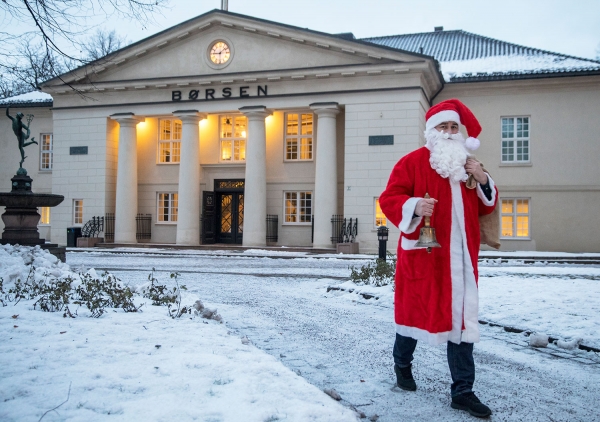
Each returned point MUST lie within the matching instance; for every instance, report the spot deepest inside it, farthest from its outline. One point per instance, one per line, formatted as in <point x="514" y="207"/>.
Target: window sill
<point x="515" y="238"/>
<point x="45" y="171"/>
<point x="297" y="224"/>
<point x="225" y="164"/>
<point x="167" y="164"/>
<point x="517" y="164"/>
<point x="298" y="161"/>
<point x="165" y="223"/>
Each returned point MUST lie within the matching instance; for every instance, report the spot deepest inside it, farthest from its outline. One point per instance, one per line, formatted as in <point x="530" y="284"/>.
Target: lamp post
<point x="382" y="235"/>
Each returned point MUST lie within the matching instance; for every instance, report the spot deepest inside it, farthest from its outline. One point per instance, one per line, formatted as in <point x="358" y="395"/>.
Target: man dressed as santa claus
<point x="436" y="298"/>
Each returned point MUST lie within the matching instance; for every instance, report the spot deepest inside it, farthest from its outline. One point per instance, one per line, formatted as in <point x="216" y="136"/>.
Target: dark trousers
<point x="460" y="361"/>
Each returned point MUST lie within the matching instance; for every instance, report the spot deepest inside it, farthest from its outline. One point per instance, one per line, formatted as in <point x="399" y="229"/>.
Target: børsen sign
<point x="213" y="94"/>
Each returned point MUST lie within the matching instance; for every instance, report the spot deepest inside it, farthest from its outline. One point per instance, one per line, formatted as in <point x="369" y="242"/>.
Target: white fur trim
<point x="481" y="195"/>
<point x="441" y="117"/>
<point x="409" y="224"/>
<point x="434" y="339"/>
<point x="472" y="143"/>
<point x="409" y="244"/>
<point x="465" y="298"/>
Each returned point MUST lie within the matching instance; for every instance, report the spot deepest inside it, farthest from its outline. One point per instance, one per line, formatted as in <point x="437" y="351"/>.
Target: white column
<point x="255" y="190"/>
<point x="188" y="213"/>
<point x="325" y="199"/>
<point x="127" y="189"/>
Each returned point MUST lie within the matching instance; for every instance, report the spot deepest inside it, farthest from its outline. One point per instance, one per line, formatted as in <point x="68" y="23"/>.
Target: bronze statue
<point x="18" y="126"/>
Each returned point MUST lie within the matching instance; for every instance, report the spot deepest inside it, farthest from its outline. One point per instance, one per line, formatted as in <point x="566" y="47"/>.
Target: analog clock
<point x="220" y="53"/>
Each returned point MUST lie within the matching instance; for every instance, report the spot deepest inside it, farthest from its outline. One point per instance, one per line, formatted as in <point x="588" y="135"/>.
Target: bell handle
<point x="427" y="218"/>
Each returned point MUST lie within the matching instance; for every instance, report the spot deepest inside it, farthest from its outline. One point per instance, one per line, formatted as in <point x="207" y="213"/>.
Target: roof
<point x="467" y="57"/>
<point x="30" y="99"/>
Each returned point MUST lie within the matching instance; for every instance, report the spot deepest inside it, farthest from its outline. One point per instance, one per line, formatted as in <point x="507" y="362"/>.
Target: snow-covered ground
<point x="300" y="339"/>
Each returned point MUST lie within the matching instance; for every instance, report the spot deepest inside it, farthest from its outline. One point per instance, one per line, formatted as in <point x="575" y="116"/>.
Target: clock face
<point x="220" y="53"/>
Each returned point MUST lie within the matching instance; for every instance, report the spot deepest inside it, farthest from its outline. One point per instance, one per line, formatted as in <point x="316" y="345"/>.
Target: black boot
<point x="470" y="403"/>
<point x="404" y="378"/>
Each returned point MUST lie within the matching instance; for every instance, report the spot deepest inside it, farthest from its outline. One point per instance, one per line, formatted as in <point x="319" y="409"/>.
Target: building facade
<point x="219" y="125"/>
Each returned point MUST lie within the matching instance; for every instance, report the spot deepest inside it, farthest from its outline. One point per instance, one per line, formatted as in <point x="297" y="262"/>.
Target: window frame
<point x="170" y="221"/>
<point x="375" y="218"/>
<point x="232" y="139"/>
<point x="299" y="137"/>
<point x="515" y="140"/>
<point x="515" y="214"/>
<point x="298" y="207"/>
<point x="75" y="212"/>
<point x="49" y="152"/>
<point x="170" y="141"/>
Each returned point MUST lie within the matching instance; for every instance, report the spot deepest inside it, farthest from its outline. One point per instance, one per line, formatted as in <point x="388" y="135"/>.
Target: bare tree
<point x="101" y="44"/>
<point x="60" y="27"/>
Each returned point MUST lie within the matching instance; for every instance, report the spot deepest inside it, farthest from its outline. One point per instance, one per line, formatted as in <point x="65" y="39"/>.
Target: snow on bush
<point x="32" y="273"/>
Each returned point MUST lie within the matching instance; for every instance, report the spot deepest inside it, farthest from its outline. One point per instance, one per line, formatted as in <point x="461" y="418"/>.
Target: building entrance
<point x="223" y="213"/>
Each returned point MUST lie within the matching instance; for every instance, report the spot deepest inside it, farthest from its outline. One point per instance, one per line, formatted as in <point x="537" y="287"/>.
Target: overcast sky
<point x="563" y="26"/>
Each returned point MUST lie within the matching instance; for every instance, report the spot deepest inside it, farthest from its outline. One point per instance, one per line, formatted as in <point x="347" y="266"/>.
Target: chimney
<point x="224" y="5"/>
<point x="438" y="28"/>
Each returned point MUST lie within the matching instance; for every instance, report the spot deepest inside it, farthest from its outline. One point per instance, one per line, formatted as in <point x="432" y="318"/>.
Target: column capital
<point x="127" y="119"/>
<point x="326" y="109"/>
<point x="256" y="112"/>
<point x="189" y="116"/>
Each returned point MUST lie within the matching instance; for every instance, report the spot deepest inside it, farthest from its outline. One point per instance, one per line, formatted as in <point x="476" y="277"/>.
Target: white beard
<point x="448" y="155"/>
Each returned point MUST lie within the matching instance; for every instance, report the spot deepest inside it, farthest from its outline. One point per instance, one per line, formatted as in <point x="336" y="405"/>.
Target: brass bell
<point x="427" y="236"/>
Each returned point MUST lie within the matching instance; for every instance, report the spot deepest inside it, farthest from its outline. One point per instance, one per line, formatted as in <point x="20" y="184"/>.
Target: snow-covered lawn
<point x="148" y="366"/>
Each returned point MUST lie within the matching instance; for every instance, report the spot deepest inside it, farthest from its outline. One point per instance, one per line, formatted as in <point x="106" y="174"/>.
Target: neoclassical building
<point x="236" y="130"/>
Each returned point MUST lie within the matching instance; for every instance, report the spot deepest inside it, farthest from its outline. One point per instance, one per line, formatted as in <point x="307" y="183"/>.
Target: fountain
<point x="21" y="216"/>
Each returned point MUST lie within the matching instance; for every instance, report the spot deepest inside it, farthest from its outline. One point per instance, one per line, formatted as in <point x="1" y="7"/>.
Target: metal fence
<point x="343" y="230"/>
<point x="109" y="227"/>
<point x="337" y="229"/>
<point x="272" y="227"/>
<point x="143" y="226"/>
<point x="93" y="227"/>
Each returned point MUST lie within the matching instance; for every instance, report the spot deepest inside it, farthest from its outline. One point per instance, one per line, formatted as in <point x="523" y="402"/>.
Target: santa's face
<point x="448" y="152"/>
<point x="448" y="127"/>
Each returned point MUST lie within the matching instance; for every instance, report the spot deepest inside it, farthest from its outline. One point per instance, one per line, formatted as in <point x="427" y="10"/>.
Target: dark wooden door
<point x="209" y="220"/>
<point x="230" y="220"/>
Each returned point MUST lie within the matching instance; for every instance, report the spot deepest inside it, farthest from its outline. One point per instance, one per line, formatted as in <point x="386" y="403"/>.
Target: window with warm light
<point x="515" y="219"/>
<point x="44" y="216"/>
<point x="78" y="211"/>
<point x="298" y="136"/>
<point x="515" y="140"/>
<point x="46" y="151"/>
<point x="380" y="218"/>
<point x="233" y="132"/>
<point x="167" y="207"/>
<point x="169" y="141"/>
<point x="297" y="207"/>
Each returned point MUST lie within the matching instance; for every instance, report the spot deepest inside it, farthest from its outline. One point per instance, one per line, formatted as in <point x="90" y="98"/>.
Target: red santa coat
<point x="436" y="298"/>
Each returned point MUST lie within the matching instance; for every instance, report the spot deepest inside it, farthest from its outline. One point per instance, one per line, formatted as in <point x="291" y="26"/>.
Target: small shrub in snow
<point x="378" y="273"/>
<point x="161" y="295"/>
<point x="98" y="294"/>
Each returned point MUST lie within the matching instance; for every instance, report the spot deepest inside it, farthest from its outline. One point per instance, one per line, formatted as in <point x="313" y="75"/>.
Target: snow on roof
<point x="30" y="98"/>
<point x="464" y="56"/>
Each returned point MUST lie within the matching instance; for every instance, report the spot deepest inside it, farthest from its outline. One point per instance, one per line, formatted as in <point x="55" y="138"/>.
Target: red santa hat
<point x="455" y="111"/>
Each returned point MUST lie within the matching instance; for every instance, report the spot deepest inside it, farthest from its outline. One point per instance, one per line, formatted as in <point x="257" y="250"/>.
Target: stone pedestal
<point x="21" y="216"/>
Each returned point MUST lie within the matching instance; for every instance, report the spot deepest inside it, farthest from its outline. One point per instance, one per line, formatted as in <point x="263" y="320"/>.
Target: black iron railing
<point x="93" y="227"/>
<point x="272" y="227"/>
<point x="350" y="230"/>
<point x="143" y="226"/>
<point x="109" y="227"/>
<point x="343" y="230"/>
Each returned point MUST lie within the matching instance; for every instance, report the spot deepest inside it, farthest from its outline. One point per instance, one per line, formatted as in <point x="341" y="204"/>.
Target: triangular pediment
<point x="183" y="52"/>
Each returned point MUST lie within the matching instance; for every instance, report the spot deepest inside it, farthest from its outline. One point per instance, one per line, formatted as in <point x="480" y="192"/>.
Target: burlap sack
<point x="489" y="225"/>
